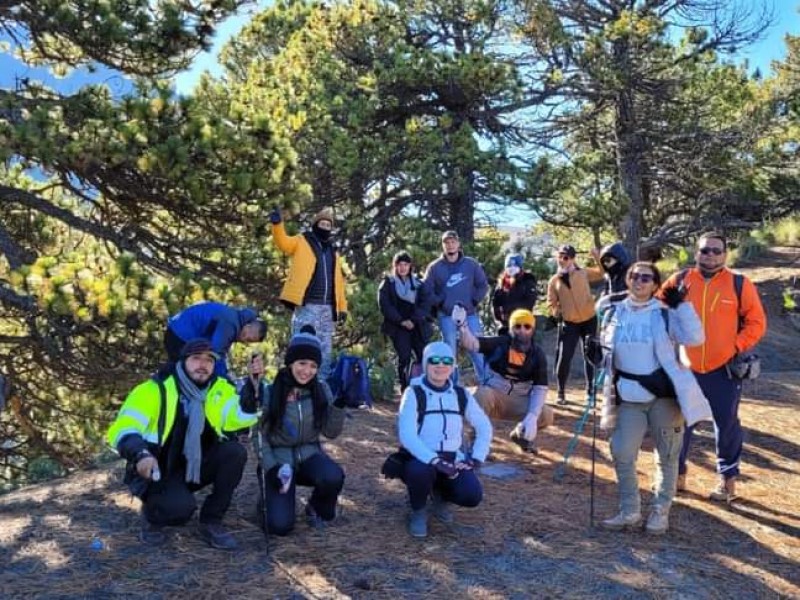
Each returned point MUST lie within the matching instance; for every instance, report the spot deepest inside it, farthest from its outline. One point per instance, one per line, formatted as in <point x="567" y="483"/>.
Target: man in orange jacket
<point x="732" y="326"/>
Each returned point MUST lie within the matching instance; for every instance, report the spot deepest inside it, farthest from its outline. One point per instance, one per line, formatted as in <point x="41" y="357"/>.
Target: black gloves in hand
<point x="275" y="216"/>
<point x="445" y="467"/>
<point x="673" y="296"/>
<point x="340" y="401"/>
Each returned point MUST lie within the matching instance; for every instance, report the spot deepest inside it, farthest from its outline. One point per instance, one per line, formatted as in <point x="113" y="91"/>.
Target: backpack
<point x="747" y="364"/>
<point x="349" y="379"/>
<point x="422" y="405"/>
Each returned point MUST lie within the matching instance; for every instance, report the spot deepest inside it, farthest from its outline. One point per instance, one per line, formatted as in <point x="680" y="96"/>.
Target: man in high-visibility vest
<point x="176" y="434"/>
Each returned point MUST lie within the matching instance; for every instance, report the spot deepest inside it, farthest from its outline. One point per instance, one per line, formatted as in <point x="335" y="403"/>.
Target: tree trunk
<point x="630" y="152"/>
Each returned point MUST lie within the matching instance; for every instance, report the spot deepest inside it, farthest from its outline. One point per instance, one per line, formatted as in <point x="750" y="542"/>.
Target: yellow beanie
<point x="522" y="316"/>
<point x="326" y="214"/>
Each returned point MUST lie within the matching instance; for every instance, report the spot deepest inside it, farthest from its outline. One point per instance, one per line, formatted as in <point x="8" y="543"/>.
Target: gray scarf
<point x="194" y="399"/>
<point x="405" y="290"/>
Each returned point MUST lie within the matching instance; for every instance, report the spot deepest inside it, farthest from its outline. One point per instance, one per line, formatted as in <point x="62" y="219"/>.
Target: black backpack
<point x="395" y="463"/>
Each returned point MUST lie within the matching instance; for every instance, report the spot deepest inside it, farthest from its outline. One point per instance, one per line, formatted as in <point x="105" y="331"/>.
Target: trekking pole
<point x="598" y="382"/>
<point x="596" y="359"/>
<point x="261" y="473"/>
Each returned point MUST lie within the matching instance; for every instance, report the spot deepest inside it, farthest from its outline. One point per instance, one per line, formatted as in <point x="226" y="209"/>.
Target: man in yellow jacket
<point x="314" y="287"/>
<point x="175" y="435"/>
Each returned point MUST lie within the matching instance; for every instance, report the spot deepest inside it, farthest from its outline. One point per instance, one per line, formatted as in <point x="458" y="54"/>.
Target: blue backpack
<point x="350" y="380"/>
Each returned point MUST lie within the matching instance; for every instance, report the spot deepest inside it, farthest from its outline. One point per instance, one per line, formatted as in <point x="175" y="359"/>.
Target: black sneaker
<point x="524" y="444"/>
<point x="562" y="400"/>
<point x="151" y="534"/>
<point x="216" y="536"/>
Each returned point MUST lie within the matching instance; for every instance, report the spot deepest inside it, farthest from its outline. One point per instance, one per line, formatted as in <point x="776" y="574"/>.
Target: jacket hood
<point x="618" y="251"/>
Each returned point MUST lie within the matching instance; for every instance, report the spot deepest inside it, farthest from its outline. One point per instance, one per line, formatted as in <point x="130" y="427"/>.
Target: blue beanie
<point x="304" y="346"/>
<point x="436" y="349"/>
<point x="514" y="260"/>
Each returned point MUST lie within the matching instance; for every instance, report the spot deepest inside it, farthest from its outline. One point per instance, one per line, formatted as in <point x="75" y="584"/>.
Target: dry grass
<point x="530" y="537"/>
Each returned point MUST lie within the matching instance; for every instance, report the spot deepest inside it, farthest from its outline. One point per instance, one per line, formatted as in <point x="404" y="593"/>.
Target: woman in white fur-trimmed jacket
<point x="646" y="386"/>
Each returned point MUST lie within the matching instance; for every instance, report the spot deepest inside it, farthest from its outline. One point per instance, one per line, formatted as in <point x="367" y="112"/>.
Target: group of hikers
<point x="180" y="430"/>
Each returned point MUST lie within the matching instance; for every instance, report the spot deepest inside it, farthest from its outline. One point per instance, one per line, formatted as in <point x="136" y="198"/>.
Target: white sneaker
<point x="658" y="521"/>
<point x="622" y="520"/>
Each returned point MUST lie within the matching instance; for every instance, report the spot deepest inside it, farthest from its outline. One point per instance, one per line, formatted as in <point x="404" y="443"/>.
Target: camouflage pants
<point x="320" y="316"/>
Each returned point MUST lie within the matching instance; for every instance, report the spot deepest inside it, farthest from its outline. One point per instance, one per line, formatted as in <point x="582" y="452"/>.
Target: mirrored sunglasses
<point x="643" y="277"/>
<point x="524" y="326"/>
<point x="440" y="360"/>
<point x="710" y="250"/>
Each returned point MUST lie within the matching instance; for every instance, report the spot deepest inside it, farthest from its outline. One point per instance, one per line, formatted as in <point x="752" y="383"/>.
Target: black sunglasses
<point x="643" y="277"/>
<point x="440" y="360"/>
<point x="523" y="326"/>
<point x="710" y="250"/>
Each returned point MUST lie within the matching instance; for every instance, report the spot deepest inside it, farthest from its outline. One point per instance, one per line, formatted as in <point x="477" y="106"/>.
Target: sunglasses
<point x="524" y="326"/>
<point x="643" y="277"/>
<point x="710" y="250"/>
<point x="440" y="360"/>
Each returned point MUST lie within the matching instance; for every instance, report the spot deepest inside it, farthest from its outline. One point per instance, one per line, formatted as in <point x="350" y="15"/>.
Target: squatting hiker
<point x="219" y="323"/>
<point x="570" y="300"/>
<point x="432" y="440"/>
<point x="516" y="376"/>
<point x="451" y="279"/>
<point x="175" y="434"/>
<point x="732" y="326"/>
<point x="647" y="388"/>
<point x="315" y="287"/>
<point x="298" y="409"/>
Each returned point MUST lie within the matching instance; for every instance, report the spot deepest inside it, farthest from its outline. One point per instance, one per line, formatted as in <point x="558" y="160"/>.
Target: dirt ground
<point x="530" y="538"/>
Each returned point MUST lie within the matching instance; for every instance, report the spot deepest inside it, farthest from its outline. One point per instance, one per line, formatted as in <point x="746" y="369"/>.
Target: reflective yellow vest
<point x="140" y="411"/>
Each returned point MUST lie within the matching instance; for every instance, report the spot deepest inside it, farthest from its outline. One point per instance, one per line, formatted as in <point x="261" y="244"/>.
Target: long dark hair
<point x="281" y="388"/>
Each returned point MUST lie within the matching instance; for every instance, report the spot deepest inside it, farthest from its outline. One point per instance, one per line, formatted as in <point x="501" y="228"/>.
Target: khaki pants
<point x="511" y="406"/>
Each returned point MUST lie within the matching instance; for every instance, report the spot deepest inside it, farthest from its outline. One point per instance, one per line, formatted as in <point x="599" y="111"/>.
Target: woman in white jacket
<point x="645" y="386"/>
<point x="432" y="438"/>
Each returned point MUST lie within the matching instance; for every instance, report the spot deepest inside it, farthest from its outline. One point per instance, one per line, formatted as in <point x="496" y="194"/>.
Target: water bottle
<point x="285" y="475"/>
<point x="155" y="474"/>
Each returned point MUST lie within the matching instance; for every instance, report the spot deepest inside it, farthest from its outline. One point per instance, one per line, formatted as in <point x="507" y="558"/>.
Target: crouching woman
<point x="646" y="387"/>
<point x="298" y="409"/>
<point x="430" y="423"/>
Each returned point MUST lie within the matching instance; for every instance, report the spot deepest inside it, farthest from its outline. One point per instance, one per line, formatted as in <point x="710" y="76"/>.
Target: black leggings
<point x="319" y="472"/>
<point x="405" y="342"/>
<point x="568" y="336"/>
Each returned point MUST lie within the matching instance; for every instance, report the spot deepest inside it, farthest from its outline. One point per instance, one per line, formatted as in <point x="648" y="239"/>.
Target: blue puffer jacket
<point x="217" y="322"/>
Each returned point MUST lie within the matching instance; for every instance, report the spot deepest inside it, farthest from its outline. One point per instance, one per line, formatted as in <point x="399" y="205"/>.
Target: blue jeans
<point x="321" y="317"/>
<point x="449" y="333"/>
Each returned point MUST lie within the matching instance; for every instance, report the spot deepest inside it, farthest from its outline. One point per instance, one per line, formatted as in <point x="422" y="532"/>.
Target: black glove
<point x="445" y="467"/>
<point x="275" y="216"/>
<point x="340" y="401"/>
<point x="673" y="296"/>
<point x="470" y="464"/>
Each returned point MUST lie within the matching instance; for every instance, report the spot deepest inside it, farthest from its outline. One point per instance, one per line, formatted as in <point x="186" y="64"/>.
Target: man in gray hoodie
<point x="457" y="279"/>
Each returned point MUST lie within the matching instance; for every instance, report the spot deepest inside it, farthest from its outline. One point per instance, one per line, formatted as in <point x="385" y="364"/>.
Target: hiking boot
<point x="562" y="400"/>
<point x="525" y="445"/>
<point x="418" y="523"/>
<point x="313" y="519"/>
<point x="152" y="534"/>
<point x="440" y="509"/>
<point x="658" y="521"/>
<point x="681" y="485"/>
<point x="725" y="490"/>
<point x="216" y="536"/>
<point x="622" y="521"/>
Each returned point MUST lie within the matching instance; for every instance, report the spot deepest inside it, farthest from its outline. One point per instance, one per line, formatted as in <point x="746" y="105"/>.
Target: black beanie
<point x="304" y="346"/>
